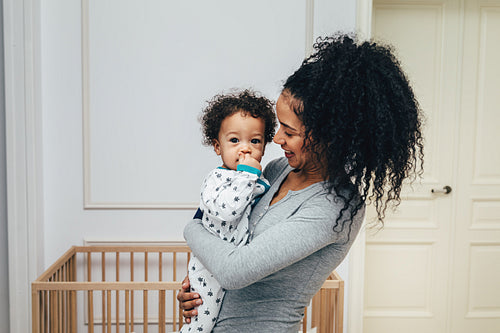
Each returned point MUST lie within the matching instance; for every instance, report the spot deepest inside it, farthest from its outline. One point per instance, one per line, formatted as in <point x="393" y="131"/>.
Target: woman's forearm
<point x="276" y="248"/>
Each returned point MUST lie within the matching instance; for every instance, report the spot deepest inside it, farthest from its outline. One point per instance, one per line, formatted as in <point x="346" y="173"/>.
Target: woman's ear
<point x="216" y="145"/>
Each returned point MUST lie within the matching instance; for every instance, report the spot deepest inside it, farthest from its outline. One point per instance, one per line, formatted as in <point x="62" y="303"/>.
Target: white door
<point x="435" y="266"/>
<point x="475" y="300"/>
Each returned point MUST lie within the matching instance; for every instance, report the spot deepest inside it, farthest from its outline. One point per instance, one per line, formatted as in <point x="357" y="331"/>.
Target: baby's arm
<point x="227" y="193"/>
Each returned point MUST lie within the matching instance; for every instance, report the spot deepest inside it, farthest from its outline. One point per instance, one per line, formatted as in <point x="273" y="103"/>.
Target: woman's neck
<point x="296" y="180"/>
<point x="300" y="178"/>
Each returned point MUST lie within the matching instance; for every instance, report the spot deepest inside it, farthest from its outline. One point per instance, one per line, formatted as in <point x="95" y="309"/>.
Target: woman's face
<point x="290" y="135"/>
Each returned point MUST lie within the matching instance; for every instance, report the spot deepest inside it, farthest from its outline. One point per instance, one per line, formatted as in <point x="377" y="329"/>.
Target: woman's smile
<point x="288" y="154"/>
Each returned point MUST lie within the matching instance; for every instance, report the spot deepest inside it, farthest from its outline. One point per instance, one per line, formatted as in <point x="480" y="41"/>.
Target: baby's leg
<point x="202" y="282"/>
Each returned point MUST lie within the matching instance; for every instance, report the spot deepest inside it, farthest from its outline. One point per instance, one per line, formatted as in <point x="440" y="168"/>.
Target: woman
<point x="350" y="129"/>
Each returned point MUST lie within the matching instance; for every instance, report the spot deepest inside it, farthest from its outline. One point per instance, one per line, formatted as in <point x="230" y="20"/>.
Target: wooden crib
<point x="133" y="289"/>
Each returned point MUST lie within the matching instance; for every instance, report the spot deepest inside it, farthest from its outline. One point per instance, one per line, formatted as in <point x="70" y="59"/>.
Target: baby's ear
<point x="216" y="145"/>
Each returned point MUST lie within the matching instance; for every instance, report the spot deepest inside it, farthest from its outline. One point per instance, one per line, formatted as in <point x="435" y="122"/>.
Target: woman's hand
<point x="188" y="301"/>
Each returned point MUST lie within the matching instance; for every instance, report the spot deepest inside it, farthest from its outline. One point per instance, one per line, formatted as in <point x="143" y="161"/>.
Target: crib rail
<point x="133" y="289"/>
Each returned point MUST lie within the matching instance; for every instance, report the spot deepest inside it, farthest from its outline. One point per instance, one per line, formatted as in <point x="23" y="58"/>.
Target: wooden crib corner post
<point x="35" y="309"/>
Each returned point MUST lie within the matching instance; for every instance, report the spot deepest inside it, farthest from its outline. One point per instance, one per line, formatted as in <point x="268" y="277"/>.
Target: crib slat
<point x="161" y="305"/>
<point x="160" y="266"/>
<point x="62" y="310"/>
<point x="53" y="314"/>
<point x="127" y="327"/>
<point x="146" y="265"/>
<point x="322" y="319"/>
<point x="62" y="301"/>
<point x="89" y="266"/>
<point x="329" y="302"/>
<point x="103" y="297"/>
<point x="108" y="311"/>
<point x="174" y="310"/>
<point x="73" y="311"/>
<point x="145" y="293"/>
<point x="70" y="297"/>
<point x="91" y="311"/>
<point x="145" y="311"/>
<point x="46" y="311"/>
<point x="58" y="303"/>
<point x="161" y="312"/>
<point x="339" y="308"/>
<point x="50" y="317"/>
<point x="132" y="292"/>
<point x="117" y="293"/>
<point x="174" y="264"/>
<point x="67" y="307"/>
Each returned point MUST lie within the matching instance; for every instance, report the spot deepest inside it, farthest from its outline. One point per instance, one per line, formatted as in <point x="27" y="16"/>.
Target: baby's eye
<point x="255" y="141"/>
<point x="234" y="140"/>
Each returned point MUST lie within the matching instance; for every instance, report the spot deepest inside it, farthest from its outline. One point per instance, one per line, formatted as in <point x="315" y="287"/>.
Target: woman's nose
<point x="278" y="139"/>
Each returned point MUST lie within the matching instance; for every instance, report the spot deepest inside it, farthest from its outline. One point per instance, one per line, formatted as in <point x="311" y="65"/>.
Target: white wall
<point x="151" y="67"/>
<point x="150" y="71"/>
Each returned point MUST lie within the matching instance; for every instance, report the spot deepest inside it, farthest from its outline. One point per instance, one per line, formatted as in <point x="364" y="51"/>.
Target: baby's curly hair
<point x="361" y="117"/>
<point x="224" y="105"/>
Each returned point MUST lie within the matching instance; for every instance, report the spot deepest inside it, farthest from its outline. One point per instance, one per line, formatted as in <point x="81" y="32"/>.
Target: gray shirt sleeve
<point x="304" y="232"/>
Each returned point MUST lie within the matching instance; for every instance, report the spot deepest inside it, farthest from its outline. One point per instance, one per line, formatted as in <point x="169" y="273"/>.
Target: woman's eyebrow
<point x="287" y="126"/>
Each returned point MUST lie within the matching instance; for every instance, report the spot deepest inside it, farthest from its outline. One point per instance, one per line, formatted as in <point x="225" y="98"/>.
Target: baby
<point x="238" y="126"/>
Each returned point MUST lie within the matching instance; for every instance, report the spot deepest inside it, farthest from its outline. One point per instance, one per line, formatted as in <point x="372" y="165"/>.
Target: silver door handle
<point x="445" y="190"/>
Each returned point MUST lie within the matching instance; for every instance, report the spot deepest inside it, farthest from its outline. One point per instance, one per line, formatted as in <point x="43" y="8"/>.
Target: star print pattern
<point x="226" y="201"/>
<point x="225" y="196"/>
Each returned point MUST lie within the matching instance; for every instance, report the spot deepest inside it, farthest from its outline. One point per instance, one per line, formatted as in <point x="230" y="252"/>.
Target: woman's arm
<point x="305" y="232"/>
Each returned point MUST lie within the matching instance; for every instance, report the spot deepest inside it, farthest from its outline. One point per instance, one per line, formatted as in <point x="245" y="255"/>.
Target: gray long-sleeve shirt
<point x="294" y="247"/>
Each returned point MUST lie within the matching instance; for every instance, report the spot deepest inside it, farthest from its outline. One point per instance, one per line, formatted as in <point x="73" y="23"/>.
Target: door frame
<point x="23" y="122"/>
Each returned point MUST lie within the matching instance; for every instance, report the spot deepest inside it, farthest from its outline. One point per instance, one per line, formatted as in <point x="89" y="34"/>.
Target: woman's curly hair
<point x="224" y="105"/>
<point x="361" y="117"/>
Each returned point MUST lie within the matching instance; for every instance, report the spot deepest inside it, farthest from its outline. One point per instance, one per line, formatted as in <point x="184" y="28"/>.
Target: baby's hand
<point x="246" y="159"/>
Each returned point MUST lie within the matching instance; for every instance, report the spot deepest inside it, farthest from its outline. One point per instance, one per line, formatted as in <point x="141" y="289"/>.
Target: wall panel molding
<point x="144" y="185"/>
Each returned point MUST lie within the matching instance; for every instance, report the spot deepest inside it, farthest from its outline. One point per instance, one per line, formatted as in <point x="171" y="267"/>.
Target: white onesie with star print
<point x="226" y="200"/>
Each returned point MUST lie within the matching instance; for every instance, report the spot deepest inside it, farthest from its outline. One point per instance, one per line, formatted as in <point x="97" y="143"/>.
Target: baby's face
<point x="240" y="133"/>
